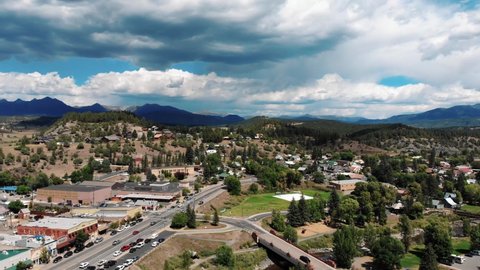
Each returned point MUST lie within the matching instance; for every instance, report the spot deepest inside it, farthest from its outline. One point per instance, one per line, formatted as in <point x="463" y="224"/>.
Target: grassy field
<point x="265" y="202"/>
<point x="412" y="258"/>
<point x="471" y="208"/>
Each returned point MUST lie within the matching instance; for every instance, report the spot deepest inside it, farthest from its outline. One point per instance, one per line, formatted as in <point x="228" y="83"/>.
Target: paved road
<point x="470" y="263"/>
<point x="105" y="249"/>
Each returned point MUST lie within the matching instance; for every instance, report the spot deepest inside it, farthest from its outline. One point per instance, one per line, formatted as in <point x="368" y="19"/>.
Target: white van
<point x="458" y="258"/>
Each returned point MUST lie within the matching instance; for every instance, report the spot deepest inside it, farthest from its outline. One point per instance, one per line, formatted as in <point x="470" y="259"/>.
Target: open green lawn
<point x="265" y="202"/>
<point x="471" y="208"/>
<point x="461" y="245"/>
<point x="412" y="258"/>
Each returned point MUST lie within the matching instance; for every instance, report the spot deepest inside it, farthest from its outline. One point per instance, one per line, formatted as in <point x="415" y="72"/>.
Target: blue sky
<point x="322" y="57"/>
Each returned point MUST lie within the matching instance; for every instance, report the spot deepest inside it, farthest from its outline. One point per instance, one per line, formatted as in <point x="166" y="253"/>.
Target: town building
<point x="158" y="191"/>
<point x="346" y="185"/>
<point x="74" y="194"/>
<point x="187" y="170"/>
<point x="64" y="230"/>
<point x="10" y="258"/>
<point x="108" y="213"/>
<point x="36" y="243"/>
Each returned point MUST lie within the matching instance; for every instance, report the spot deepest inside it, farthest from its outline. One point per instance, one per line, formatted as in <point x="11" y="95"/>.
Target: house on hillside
<point x="110" y="138"/>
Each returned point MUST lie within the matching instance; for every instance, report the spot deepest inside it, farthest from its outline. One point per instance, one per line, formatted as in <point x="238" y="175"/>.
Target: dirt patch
<point x="314" y="229"/>
<point x="201" y="243"/>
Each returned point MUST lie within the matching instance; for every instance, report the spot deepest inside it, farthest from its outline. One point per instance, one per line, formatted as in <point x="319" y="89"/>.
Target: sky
<point x="362" y="58"/>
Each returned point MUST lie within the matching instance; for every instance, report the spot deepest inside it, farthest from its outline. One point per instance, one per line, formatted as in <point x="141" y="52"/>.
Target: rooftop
<point x="97" y="183"/>
<point x="77" y="188"/>
<point x="347" y="182"/>
<point x="58" y="223"/>
<point x="161" y="187"/>
<point x="12" y="252"/>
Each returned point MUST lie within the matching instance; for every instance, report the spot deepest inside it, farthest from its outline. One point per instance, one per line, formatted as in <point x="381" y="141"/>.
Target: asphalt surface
<point x="105" y="249"/>
<point x="470" y="263"/>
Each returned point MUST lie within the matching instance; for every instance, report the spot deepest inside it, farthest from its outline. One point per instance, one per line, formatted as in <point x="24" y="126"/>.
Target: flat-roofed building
<point x="345" y="185"/>
<point x="64" y="230"/>
<point x="187" y="170"/>
<point x="10" y="258"/>
<point x="75" y="194"/>
<point x="159" y="191"/>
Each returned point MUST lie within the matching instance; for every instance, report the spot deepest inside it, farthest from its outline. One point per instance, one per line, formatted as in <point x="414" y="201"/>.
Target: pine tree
<point x="278" y="221"/>
<point x="303" y="210"/>
<point x="192" y="221"/>
<point x="429" y="259"/>
<point x="215" y="219"/>
<point x="333" y="203"/>
<point x="405" y="231"/>
<point x="293" y="216"/>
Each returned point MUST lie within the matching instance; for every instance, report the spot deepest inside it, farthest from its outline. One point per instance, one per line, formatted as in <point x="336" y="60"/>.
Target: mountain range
<point x="168" y="115"/>
<point x="462" y="115"/>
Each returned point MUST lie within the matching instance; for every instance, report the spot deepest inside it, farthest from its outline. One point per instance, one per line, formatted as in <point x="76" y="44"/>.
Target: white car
<point x="140" y="245"/>
<point x="154" y="243"/>
<point x="102" y="262"/>
<point x="121" y="229"/>
<point x="117" y="253"/>
<point x="127" y="226"/>
<point x="84" y="265"/>
<point x="129" y="262"/>
<point x="120" y="267"/>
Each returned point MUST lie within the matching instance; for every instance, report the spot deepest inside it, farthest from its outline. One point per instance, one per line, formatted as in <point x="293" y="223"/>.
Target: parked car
<point x="68" y="254"/>
<point x="135" y="258"/>
<point x="112" y="233"/>
<point x="89" y="244"/>
<point x="139" y="220"/>
<point x="153" y="223"/>
<point x="102" y="262"/>
<point x="98" y="240"/>
<point x="84" y="265"/>
<point x="57" y="259"/>
<point x="125" y="248"/>
<point x="140" y="245"/>
<point x="139" y="240"/>
<point x="154" y="243"/>
<point x="129" y="262"/>
<point x="117" y="253"/>
<point x="116" y="242"/>
<point x="109" y="263"/>
<point x="147" y="240"/>
<point x="161" y="240"/>
<point x="120" y="267"/>
<point x="91" y="267"/>
<point x="132" y="250"/>
<point x="79" y="249"/>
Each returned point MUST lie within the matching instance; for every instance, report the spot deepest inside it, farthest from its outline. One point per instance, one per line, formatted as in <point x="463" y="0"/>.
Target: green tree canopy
<point x="387" y="253"/>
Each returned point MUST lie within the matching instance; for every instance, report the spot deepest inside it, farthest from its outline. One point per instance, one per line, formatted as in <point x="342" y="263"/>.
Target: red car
<point x="135" y="232"/>
<point x="125" y="248"/>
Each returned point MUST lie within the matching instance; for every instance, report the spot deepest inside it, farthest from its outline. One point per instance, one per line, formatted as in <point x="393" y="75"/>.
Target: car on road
<point x="84" y="265"/>
<point x="116" y="242"/>
<point x="117" y="253"/>
<point x="305" y="259"/>
<point x="153" y="223"/>
<point x="125" y="248"/>
<point x="135" y="232"/>
<point x="98" y="240"/>
<point x="67" y="254"/>
<point x="112" y="233"/>
<point x="57" y="259"/>
<point x="109" y="263"/>
<point x="102" y="262"/>
<point x="89" y="244"/>
<point x="128" y="262"/>
<point x="154" y="243"/>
